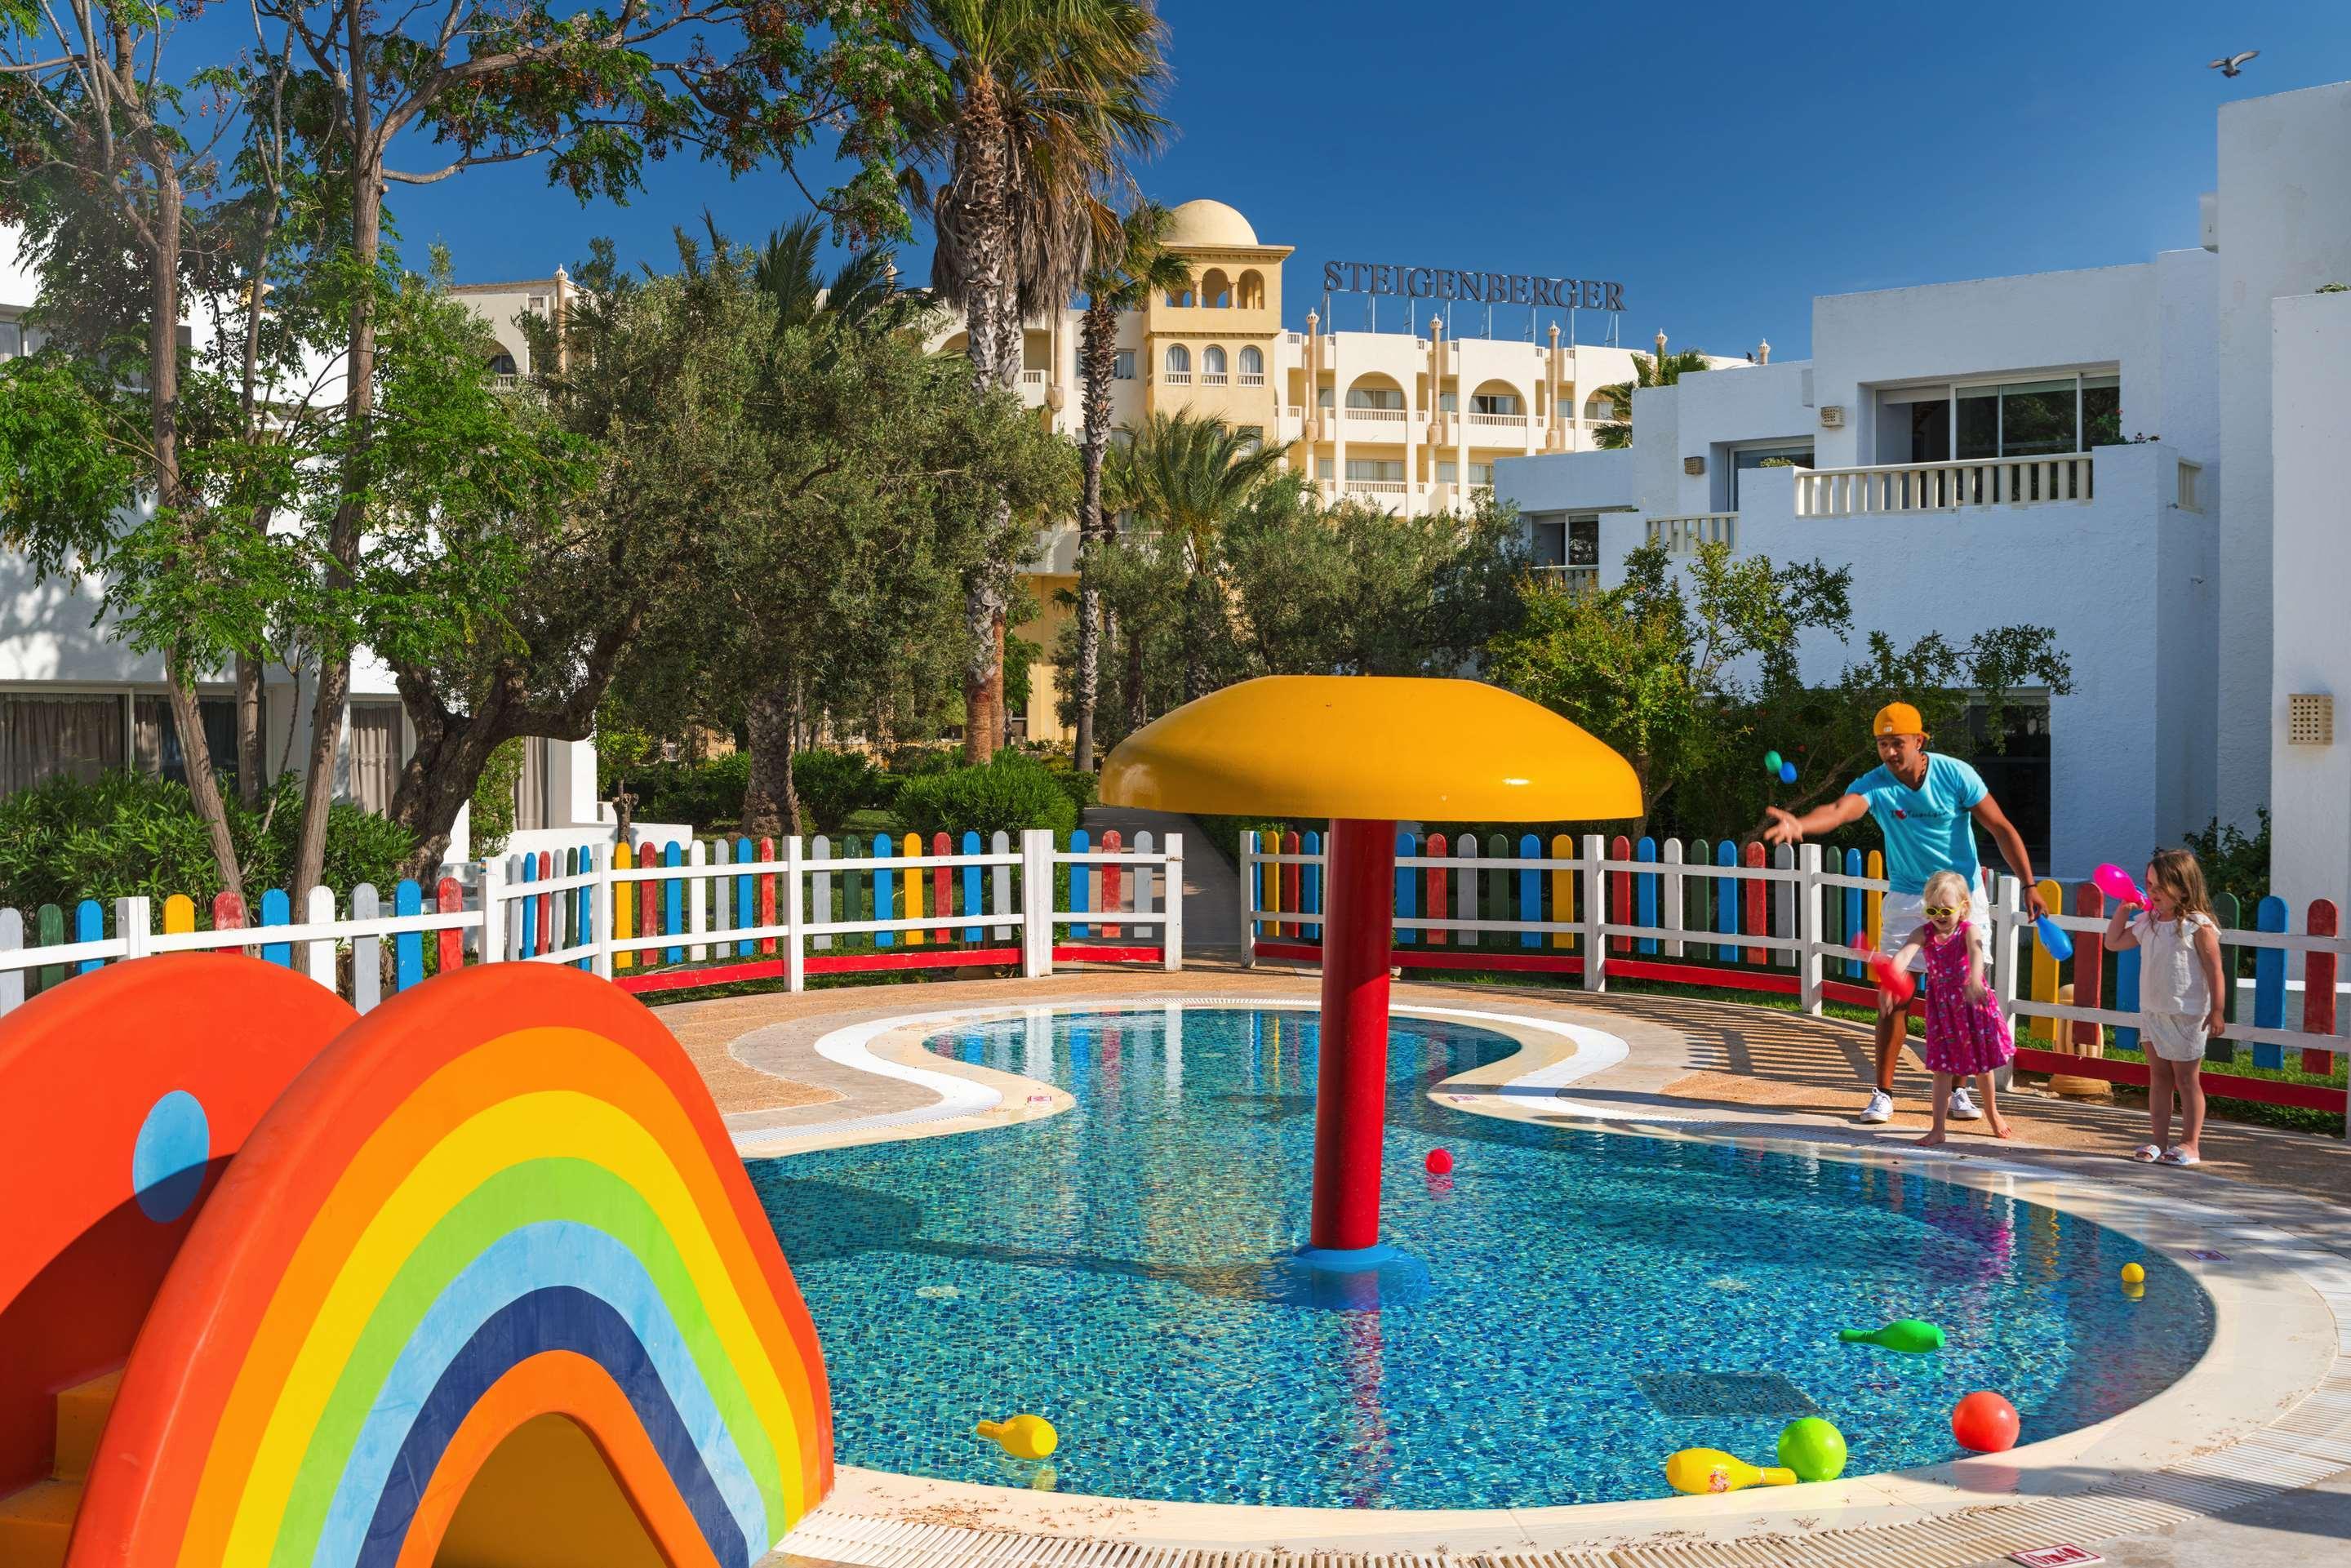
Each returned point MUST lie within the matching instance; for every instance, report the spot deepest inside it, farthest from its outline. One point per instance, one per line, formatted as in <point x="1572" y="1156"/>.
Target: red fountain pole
<point x="1352" y="1078"/>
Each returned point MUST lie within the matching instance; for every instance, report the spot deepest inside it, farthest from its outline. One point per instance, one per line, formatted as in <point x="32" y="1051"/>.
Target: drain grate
<point x="1724" y="1395"/>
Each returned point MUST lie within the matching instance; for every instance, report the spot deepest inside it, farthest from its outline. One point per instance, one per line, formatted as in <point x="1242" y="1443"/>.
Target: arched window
<point x="1599" y="408"/>
<point x="1179" y="363"/>
<point x="1215" y="289"/>
<point x="1252" y="366"/>
<point x="1249" y="294"/>
<point x="503" y="364"/>
<point x="1183" y="296"/>
<point x="1212" y="366"/>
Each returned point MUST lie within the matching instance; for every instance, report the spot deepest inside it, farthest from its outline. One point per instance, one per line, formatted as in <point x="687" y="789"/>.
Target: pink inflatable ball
<point x="1439" y="1162"/>
<point x="2116" y="884"/>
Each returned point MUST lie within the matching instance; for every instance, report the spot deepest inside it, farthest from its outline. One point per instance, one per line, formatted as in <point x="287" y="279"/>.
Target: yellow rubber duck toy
<point x="1702" y="1470"/>
<point x="1024" y="1437"/>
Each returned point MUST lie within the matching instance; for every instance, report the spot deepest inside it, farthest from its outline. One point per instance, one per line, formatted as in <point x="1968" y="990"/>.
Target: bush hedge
<point x="1010" y="793"/>
<point x="130" y="833"/>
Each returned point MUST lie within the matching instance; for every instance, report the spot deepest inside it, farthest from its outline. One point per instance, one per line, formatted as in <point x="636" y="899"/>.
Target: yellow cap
<point x="1371" y="746"/>
<point x="1898" y="718"/>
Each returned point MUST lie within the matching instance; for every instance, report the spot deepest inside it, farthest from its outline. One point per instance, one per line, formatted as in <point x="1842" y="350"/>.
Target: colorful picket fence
<point x="1789" y="920"/>
<point x="668" y="916"/>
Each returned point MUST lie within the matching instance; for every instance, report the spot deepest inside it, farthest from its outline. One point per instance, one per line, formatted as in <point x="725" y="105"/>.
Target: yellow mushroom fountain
<point x="1365" y="752"/>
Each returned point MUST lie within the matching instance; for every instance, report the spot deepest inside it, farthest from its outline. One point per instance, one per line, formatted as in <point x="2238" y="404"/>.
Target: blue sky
<point x="1724" y="162"/>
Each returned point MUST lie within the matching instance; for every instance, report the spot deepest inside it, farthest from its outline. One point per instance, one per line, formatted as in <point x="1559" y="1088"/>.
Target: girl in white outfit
<point x="2181" y="997"/>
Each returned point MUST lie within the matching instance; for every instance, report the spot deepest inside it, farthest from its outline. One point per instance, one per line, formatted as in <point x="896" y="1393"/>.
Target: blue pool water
<point x="1106" y="1267"/>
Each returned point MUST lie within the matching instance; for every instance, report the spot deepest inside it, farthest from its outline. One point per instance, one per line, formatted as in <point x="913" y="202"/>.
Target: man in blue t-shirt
<point x="1926" y="805"/>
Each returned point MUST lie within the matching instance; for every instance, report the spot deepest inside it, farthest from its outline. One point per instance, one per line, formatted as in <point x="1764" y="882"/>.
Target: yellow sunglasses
<point x="1935" y="909"/>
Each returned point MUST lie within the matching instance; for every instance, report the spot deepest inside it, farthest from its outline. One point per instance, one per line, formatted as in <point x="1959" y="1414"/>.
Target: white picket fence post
<point x="697" y="888"/>
<point x="1669" y="896"/>
<point x="490" y="884"/>
<point x="1596" y="913"/>
<point x="319" y="957"/>
<point x="795" y="916"/>
<point x="1036" y="902"/>
<point x="2008" y="918"/>
<point x="1810" y="967"/>
<point x="1247" y="859"/>
<point x="1170" y="902"/>
<point x="134" y="922"/>
<point x="600" y="910"/>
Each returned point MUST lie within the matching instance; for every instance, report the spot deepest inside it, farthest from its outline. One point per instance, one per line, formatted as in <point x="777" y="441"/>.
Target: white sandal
<point x="2147" y="1153"/>
<point x="2176" y="1155"/>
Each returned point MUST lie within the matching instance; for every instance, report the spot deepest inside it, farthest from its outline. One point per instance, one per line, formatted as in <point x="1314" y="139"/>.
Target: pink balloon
<point x="2116" y="884"/>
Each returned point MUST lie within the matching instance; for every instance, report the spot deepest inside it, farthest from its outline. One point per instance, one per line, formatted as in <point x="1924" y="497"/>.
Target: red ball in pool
<point x="1439" y="1162"/>
<point x="1985" y="1423"/>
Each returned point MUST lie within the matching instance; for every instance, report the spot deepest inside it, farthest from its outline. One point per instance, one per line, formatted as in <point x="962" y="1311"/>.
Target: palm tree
<point x="1047" y="102"/>
<point x="1662" y="372"/>
<point x="1123" y="277"/>
<point x="1187" y="475"/>
<point x="861" y="300"/>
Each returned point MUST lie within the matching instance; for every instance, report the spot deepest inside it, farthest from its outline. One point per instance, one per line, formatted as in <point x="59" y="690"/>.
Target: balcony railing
<point x="1500" y="420"/>
<point x="1177" y="378"/>
<point x="1569" y="579"/>
<point x="1212" y="378"/>
<point x="1943" y="486"/>
<point x="1032" y="378"/>
<point x="1252" y="378"/>
<point x="1357" y="412"/>
<point x="1376" y="487"/>
<point x="1682" y="535"/>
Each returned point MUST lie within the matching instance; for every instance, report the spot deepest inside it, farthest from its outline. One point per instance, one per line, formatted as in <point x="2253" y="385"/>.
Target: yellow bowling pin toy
<point x="1024" y="1437"/>
<point x="1702" y="1470"/>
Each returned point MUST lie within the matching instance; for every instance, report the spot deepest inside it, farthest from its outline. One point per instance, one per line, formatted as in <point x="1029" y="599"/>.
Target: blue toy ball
<point x="1787" y="773"/>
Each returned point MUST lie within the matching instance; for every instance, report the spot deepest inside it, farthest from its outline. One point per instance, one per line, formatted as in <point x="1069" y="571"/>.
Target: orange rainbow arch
<point x="497" y="1228"/>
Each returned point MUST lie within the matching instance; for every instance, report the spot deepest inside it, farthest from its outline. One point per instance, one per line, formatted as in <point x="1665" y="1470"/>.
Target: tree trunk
<point x="1098" y="351"/>
<point x="343" y="534"/>
<point x="252" y="746"/>
<point x="983" y="671"/>
<point x="1135" y="707"/>
<point x="769" y="808"/>
<point x="1195" y="671"/>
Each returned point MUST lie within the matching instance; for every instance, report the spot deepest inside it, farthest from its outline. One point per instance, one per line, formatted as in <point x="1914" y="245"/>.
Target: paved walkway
<point x="1212" y="892"/>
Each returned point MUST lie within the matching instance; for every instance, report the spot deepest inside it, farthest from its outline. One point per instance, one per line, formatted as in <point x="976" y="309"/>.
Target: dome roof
<point x="1208" y="222"/>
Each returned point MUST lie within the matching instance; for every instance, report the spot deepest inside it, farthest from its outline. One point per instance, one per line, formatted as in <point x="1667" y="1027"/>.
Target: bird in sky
<point x="2232" y="65"/>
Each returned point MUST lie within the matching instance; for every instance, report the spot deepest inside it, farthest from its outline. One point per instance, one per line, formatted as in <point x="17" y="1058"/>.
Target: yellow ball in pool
<point x="2133" y="1274"/>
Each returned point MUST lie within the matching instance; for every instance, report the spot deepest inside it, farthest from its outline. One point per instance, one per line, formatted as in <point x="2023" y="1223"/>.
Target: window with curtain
<point x="1121" y="365"/>
<point x="1374" y="397"/>
<point x="1385" y="470"/>
<point x="41" y="737"/>
<point x="375" y="755"/>
<point x="531" y="789"/>
<point x="155" y="738"/>
<point x="1252" y="360"/>
<point x="1179" y="360"/>
<point x="1212" y="362"/>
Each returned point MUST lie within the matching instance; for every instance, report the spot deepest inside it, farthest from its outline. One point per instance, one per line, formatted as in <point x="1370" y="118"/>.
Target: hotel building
<point x="2140" y="457"/>
<point x="1411" y="420"/>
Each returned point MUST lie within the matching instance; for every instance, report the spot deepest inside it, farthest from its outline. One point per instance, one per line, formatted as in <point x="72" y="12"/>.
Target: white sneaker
<point x="1879" y="1109"/>
<point x="1963" y="1105"/>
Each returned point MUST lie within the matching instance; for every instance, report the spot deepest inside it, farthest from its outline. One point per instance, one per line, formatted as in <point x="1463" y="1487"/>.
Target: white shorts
<point x="2174" y="1037"/>
<point x="1903" y="913"/>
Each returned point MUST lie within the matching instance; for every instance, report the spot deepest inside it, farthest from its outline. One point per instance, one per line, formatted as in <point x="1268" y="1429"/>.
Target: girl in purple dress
<point x="1966" y="1036"/>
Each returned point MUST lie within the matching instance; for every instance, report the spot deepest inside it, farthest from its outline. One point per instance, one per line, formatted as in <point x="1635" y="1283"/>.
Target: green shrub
<point x="832" y="784"/>
<point x="1083" y="788"/>
<point x="129" y="833"/>
<point x="491" y="821"/>
<point x="1010" y="794"/>
<point x="701" y="794"/>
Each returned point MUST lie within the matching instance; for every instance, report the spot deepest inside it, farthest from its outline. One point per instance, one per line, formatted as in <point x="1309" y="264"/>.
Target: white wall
<point x="2310" y="787"/>
<point x="2284" y="230"/>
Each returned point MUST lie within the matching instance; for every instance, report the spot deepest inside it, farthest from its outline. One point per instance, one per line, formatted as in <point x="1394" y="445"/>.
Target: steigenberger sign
<point x="1484" y="288"/>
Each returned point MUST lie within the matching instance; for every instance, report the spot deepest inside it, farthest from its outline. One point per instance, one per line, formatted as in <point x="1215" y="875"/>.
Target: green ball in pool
<point x="1814" y="1448"/>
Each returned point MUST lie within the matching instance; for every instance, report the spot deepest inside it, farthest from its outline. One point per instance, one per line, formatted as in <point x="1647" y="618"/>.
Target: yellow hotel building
<point x="1411" y="421"/>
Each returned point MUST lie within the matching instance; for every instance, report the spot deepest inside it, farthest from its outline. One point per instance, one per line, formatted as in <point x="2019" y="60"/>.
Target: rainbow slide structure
<point x="477" y="1279"/>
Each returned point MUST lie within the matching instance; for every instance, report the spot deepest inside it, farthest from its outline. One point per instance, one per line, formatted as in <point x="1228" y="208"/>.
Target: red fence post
<point x="1620" y="892"/>
<point x="768" y="898"/>
<point x="2318" y="989"/>
<point x="1754" y="894"/>
<point x="1114" y="894"/>
<point x="450" y="899"/>
<point x="2089" y="967"/>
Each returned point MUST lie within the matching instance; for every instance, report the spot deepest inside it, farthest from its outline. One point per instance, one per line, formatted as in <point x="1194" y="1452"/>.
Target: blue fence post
<point x="408" y="947"/>
<point x="89" y="925"/>
<point x="2269" y="981"/>
<point x="1079" y="843"/>
<point x="1407" y="897"/>
<point x="971" y="900"/>
<point x="1856" y="925"/>
<point x="583" y="905"/>
<point x="1530" y="889"/>
<point x="1310" y="879"/>
<point x="2126" y="998"/>
<point x="1647" y="895"/>
<point x="1726" y="902"/>
<point x="746" y="912"/>
<point x="529" y="908"/>
<point x="672" y="900"/>
<point x="885" y="892"/>
<point x="277" y="910"/>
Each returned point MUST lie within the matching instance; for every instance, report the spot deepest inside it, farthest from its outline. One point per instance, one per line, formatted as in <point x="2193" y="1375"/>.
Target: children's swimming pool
<point x="1601" y="1299"/>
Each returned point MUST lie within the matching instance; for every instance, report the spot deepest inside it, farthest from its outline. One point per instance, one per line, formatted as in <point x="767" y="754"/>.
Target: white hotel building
<point x="2142" y="457"/>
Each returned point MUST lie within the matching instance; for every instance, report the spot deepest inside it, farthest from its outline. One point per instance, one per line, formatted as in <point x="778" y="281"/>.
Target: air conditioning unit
<point x="1833" y="416"/>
